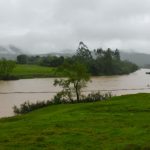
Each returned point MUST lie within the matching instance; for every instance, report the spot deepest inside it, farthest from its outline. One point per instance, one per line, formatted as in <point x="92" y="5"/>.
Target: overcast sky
<point x="41" y="26"/>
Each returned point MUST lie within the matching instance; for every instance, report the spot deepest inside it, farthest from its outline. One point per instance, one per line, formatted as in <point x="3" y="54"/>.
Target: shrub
<point x="60" y="98"/>
<point x="27" y="106"/>
<point x="92" y="97"/>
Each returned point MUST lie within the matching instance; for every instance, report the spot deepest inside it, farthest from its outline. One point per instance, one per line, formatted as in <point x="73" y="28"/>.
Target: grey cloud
<point x="48" y="25"/>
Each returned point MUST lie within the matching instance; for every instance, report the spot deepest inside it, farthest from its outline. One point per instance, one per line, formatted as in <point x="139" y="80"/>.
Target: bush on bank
<point x="59" y="99"/>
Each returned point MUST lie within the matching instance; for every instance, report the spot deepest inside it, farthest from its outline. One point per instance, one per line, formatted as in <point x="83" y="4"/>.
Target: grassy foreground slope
<point x="122" y="123"/>
<point x="31" y="71"/>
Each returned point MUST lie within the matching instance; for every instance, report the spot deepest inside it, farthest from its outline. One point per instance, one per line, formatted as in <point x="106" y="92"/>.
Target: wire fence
<point x="84" y="91"/>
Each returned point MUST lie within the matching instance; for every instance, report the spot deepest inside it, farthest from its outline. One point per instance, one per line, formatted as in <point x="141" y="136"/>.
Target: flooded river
<point x="16" y="92"/>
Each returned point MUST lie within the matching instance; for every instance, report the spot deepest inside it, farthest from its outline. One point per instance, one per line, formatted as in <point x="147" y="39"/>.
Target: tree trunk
<point x="77" y="91"/>
<point x="78" y="96"/>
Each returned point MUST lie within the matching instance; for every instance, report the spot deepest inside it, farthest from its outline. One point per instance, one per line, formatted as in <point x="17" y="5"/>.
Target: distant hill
<point x="10" y="52"/>
<point x="140" y="59"/>
<point x="65" y="53"/>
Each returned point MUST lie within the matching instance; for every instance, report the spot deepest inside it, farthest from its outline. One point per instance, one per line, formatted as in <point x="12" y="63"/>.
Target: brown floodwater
<point x="16" y="92"/>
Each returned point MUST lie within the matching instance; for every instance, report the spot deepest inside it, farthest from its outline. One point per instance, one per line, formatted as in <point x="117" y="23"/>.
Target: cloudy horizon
<point x="41" y="26"/>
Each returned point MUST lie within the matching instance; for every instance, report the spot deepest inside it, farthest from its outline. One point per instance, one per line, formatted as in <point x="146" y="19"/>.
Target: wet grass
<point x="122" y="123"/>
<point x="32" y="71"/>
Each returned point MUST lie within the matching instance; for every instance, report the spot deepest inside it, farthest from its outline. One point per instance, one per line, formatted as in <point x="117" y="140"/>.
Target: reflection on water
<point x="136" y="80"/>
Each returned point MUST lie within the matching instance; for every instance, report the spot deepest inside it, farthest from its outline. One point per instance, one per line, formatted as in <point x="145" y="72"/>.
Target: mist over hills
<point x="11" y="52"/>
<point x="141" y="59"/>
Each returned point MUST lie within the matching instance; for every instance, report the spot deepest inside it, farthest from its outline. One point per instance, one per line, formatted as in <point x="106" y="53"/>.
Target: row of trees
<point x="103" y="62"/>
<point x="98" y="61"/>
<point x="51" y="61"/>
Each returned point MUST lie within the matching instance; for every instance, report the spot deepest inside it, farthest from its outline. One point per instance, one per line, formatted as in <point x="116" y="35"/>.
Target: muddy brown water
<point x="16" y="92"/>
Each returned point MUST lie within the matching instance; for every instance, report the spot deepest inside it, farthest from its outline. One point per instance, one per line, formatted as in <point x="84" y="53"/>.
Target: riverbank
<point x="120" y="123"/>
<point x="35" y="71"/>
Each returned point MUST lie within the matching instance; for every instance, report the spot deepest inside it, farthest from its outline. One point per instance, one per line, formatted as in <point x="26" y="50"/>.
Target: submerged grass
<point x="122" y="123"/>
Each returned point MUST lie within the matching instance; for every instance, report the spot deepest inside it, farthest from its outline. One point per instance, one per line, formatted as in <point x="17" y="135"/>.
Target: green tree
<point x="6" y="67"/>
<point x="22" y="59"/>
<point x="117" y="54"/>
<point x="83" y="53"/>
<point x="108" y="62"/>
<point x="77" y="78"/>
<point x="99" y="52"/>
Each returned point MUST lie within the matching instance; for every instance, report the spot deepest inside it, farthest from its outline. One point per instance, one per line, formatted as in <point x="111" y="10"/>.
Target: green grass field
<point x="31" y="71"/>
<point x="121" y="123"/>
